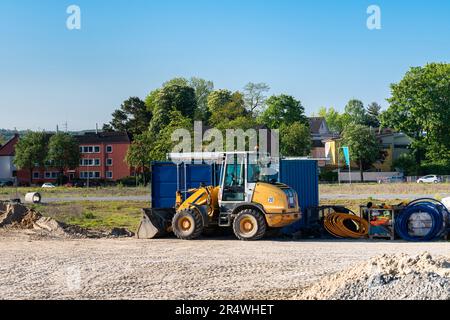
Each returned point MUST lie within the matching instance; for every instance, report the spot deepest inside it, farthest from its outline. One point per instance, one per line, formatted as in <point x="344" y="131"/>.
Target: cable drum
<point x="429" y="230"/>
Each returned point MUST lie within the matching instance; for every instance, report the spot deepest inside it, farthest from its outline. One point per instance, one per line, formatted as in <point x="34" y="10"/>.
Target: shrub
<point x="407" y="163"/>
<point x="439" y="168"/>
<point x="88" y="215"/>
<point x="328" y="176"/>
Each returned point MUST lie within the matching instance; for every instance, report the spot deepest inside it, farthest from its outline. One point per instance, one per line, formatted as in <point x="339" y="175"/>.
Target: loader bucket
<point x="155" y="223"/>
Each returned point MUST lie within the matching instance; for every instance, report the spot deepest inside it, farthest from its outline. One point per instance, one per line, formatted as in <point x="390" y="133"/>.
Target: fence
<point x="370" y="176"/>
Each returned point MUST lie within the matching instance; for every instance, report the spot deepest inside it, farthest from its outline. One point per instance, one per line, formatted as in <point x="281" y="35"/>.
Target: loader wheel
<point x="249" y="224"/>
<point x="187" y="224"/>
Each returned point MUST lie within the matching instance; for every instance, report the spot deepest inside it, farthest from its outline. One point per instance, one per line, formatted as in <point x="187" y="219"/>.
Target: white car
<point x="429" y="179"/>
<point x="48" y="185"/>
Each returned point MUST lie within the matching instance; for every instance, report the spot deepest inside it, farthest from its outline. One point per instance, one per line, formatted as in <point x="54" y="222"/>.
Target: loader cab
<point x="241" y="172"/>
<point x="233" y="182"/>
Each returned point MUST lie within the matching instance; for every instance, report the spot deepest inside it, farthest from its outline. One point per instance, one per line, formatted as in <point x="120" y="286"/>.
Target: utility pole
<point x="339" y="162"/>
<point x="349" y="167"/>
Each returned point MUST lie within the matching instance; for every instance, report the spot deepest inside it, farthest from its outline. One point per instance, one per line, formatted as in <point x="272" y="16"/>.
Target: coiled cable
<point x="434" y="208"/>
<point x="343" y="223"/>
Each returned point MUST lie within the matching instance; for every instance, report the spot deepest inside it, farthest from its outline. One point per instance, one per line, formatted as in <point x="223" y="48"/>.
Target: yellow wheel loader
<point x="249" y="200"/>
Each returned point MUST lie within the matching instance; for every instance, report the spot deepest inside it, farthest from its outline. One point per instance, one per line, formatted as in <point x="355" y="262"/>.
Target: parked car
<point x="6" y="183"/>
<point x="429" y="179"/>
<point x="48" y="185"/>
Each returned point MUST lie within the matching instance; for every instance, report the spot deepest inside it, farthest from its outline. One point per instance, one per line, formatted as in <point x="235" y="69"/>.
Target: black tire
<point x="249" y="225"/>
<point x="187" y="224"/>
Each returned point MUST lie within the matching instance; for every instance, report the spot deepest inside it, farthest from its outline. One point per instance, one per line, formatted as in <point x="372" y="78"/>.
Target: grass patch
<point x="387" y="188"/>
<point x="62" y="192"/>
<point x="96" y="215"/>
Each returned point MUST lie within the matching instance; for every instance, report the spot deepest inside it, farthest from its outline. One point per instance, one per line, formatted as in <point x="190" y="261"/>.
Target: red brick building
<point x="102" y="157"/>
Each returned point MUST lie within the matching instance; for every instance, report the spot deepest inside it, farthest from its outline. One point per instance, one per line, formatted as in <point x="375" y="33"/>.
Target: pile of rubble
<point x="387" y="277"/>
<point x="17" y="216"/>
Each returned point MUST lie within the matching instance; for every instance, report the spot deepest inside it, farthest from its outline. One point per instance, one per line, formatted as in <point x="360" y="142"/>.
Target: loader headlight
<point x="291" y="198"/>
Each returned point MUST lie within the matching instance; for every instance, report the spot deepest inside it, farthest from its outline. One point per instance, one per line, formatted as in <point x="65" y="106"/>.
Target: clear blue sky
<point x="319" y="51"/>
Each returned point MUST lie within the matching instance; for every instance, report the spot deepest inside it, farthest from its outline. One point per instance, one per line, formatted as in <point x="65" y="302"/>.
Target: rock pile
<point x="387" y="277"/>
<point x="18" y="216"/>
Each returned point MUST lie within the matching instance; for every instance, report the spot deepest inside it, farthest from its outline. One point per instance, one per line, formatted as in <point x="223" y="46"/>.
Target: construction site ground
<point x="224" y="268"/>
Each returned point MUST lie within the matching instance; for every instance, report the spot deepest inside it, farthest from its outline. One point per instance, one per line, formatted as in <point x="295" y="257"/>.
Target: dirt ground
<point x="173" y="269"/>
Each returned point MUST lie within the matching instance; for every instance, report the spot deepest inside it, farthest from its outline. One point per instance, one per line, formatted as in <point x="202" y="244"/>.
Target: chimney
<point x="96" y="128"/>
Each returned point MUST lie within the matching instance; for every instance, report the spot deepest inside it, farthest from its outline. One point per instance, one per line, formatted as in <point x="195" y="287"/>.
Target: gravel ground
<point x="398" y="276"/>
<point x="173" y="269"/>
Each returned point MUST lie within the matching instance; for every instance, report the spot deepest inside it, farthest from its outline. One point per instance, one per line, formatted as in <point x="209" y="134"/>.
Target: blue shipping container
<point x="303" y="177"/>
<point x="167" y="178"/>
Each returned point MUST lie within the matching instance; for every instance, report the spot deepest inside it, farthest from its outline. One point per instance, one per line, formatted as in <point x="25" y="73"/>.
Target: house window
<point x="90" y="162"/>
<point x="51" y="175"/>
<point x="36" y="175"/>
<point x="89" y="174"/>
<point x="109" y="149"/>
<point x="109" y="162"/>
<point x="90" y="149"/>
<point x="109" y="174"/>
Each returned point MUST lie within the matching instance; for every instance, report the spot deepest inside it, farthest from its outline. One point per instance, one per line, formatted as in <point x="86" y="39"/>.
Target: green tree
<point x="172" y="97"/>
<point x="31" y="151"/>
<point x="2" y="140"/>
<point x="363" y="145"/>
<point x="202" y="89"/>
<point x="407" y="163"/>
<point x="255" y="96"/>
<point x="373" y="115"/>
<point x="295" y="140"/>
<point x="225" y="106"/>
<point x="336" y="122"/>
<point x="356" y="112"/>
<point x="179" y="81"/>
<point x="282" y="109"/>
<point x="151" y="100"/>
<point x="242" y="122"/>
<point x="132" y="116"/>
<point x="63" y="152"/>
<point x="138" y="154"/>
<point x="420" y="107"/>
<point x="163" y="143"/>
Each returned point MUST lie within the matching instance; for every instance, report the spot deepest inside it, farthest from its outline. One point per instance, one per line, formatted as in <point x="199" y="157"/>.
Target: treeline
<point x="179" y="102"/>
<point x="419" y="107"/>
<point x="40" y="149"/>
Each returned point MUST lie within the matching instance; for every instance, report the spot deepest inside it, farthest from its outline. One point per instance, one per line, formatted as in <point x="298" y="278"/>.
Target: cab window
<point x="234" y="183"/>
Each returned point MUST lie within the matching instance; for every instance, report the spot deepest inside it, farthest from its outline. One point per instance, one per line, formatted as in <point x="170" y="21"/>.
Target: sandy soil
<point x="173" y="269"/>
